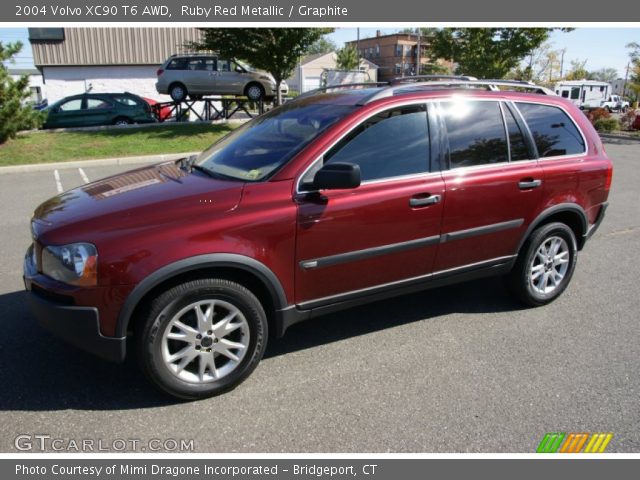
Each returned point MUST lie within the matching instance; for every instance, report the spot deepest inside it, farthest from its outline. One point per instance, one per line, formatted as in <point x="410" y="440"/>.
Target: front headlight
<point x="75" y="264"/>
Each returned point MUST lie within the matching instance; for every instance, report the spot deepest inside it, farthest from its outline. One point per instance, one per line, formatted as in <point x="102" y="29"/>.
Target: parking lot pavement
<point x="461" y="368"/>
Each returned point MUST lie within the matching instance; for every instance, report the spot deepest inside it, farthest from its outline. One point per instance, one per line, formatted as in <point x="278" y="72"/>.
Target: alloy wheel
<point x="205" y="341"/>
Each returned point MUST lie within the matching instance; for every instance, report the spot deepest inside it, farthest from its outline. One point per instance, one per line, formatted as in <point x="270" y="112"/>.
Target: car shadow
<point x="41" y="373"/>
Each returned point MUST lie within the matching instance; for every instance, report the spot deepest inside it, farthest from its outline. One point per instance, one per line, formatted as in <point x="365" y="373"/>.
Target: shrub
<point x="597" y="114"/>
<point x="606" y="124"/>
<point x="627" y="120"/>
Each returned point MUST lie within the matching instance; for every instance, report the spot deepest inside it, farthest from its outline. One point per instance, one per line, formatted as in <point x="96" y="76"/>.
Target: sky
<point x="601" y="47"/>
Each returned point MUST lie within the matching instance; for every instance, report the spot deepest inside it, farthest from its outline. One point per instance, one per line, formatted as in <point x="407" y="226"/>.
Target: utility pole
<point x="418" y="59"/>
<point x="562" y="63"/>
<point x="358" y="43"/>
<point x="626" y="77"/>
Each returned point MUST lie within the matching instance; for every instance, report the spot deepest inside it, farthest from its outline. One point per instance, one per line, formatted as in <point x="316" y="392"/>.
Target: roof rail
<point x="491" y="85"/>
<point x="340" y="86"/>
<point x="432" y="78"/>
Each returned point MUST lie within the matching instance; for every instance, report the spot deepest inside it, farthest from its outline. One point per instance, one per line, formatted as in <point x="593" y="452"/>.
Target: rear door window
<point x="97" y="103"/>
<point x="476" y="133"/>
<point x="124" y="100"/>
<point x="518" y="146"/>
<point x="554" y="133"/>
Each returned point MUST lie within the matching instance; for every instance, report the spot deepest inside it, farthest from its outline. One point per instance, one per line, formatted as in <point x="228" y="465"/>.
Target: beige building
<point x="396" y="55"/>
<point x="76" y="60"/>
<point x="313" y="68"/>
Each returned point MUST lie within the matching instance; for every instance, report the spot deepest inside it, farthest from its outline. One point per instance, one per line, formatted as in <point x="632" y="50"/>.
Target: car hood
<point x="149" y="196"/>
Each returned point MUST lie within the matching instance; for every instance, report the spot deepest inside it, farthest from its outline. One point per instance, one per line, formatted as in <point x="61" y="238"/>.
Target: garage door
<point x="310" y="83"/>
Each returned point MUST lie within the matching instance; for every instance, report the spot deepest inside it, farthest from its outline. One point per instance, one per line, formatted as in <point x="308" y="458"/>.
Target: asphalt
<point x="457" y="369"/>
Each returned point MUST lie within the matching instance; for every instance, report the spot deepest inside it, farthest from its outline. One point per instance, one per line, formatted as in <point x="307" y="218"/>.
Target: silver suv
<point x="196" y="75"/>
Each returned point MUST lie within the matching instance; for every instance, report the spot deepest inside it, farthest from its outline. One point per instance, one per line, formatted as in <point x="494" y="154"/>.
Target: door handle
<point x="423" y="201"/>
<point x="528" y="184"/>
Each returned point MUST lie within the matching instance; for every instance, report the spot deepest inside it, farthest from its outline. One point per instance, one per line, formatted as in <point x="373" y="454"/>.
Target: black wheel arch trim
<point x="193" y="264"/>
<point x="560" y="208"/>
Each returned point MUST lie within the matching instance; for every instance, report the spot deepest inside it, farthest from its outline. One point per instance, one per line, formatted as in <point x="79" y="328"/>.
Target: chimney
<point x="378" y="33"/>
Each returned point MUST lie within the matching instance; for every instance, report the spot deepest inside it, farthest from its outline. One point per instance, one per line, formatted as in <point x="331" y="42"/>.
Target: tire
<point x="254" y="91"/>
<point x="527" y="281"/>
<point x="122" y="121"/>
<point x="178" y="92"/>
<point x="163" y="348"/>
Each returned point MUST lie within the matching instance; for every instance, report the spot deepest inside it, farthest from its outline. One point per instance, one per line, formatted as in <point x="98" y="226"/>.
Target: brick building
<point x="395" y="55"/>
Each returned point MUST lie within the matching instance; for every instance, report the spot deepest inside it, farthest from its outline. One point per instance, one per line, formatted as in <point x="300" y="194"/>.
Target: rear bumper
<point x="593" y="228"/>
<point x="78" y="326"/>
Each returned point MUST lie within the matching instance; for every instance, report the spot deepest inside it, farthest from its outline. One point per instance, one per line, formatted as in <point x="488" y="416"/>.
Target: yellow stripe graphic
<point x="594" y="437"/>
<point x="606" y="441"/>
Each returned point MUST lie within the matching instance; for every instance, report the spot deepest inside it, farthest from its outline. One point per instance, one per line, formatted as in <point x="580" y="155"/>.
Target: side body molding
<point x="198" y="262"/>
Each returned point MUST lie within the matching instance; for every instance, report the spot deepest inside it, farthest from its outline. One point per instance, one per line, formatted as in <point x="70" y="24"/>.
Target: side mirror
<point x="239" y="69"/>
<point x="334" y="176"/>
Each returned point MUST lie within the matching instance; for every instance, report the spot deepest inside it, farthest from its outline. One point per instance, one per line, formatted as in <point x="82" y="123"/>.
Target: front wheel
<point x="178" y="92"/>
<point x="255" y="92"/>
<point x="202" y="338"/>
<point x="545" y="265"/>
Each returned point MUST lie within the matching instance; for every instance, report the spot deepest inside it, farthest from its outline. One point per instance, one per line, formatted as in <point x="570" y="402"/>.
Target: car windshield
<point x="258" y="148"/>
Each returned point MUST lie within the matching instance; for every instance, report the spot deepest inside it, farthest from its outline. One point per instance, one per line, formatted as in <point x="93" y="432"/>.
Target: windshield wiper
<point x="204" y="170"/>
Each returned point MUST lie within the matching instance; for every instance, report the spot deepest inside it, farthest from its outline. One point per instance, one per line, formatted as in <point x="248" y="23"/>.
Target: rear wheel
<point x="545" y="265"/>
<point x="202" y="338"/>
<point x="122" y="121"/>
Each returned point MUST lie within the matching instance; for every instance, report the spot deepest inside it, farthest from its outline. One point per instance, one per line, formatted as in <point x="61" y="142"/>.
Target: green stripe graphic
<point x="551" y="443"/>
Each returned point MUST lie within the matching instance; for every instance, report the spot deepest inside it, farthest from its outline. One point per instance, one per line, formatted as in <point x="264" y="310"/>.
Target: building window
<point x="407" y="50"/>
<point x="377" y="50"/>
<point x="398" y="50"/>
<point x="398" y="69"/>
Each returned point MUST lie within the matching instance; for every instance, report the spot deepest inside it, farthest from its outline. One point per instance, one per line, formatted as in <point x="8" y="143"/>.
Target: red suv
<point x="331" y="200"/>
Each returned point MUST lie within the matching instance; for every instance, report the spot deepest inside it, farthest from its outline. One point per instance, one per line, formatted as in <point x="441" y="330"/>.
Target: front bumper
<point x="78" y="326"/>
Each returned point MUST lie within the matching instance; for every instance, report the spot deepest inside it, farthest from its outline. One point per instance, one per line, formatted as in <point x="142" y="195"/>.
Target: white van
<point x="586" y="94"/>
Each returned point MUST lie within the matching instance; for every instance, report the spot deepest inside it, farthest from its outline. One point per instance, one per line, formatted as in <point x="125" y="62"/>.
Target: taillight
<point x="607" y="183"/>
<point x="159" y="72"/>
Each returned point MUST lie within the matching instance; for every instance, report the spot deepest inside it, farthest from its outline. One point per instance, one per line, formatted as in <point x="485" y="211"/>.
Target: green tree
<point x="15" y="113"/>
<point x="578" y="71"/>
<point x="275" y="50"/>
<point x="347" y="59"/>
<point x="322" y="45"/>
<point x="634" y="71"/>
<point x="486" y="52"/>
<point x="605" y="75"/>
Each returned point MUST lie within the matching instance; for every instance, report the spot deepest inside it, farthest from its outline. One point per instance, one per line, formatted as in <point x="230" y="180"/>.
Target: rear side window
<point x="390" y="144"/>
<point x="553" y="131"/>
<point x="476" y="133"/>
